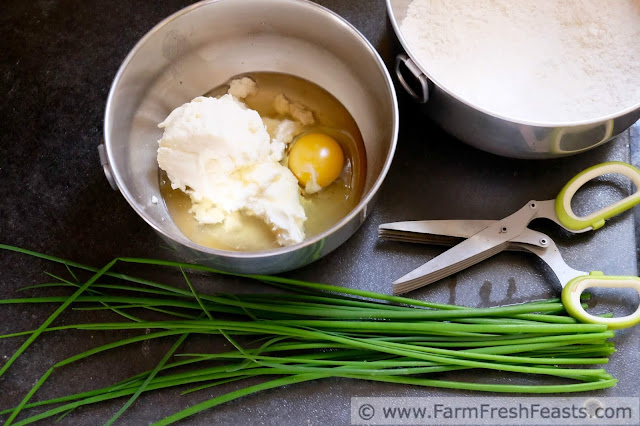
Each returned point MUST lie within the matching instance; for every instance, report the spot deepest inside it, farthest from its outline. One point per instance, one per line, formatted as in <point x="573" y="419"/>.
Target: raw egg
<point x="317" y="159"/>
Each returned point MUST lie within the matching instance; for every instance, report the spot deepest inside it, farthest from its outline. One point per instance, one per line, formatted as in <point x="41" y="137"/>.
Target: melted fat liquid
<point x="323" y="209"/>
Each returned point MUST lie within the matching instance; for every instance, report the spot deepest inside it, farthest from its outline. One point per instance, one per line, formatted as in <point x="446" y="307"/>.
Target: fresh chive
<point x="313" y="331"/>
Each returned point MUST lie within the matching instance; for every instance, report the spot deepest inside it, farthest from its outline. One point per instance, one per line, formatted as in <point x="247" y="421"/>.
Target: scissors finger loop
<point x="571" y="298"/>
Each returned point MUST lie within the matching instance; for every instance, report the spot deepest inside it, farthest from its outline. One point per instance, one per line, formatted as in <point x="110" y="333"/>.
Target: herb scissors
<point x="485" y="238"/>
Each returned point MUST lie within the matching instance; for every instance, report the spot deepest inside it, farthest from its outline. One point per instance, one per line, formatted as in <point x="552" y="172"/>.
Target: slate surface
<point x="57" y="61"/>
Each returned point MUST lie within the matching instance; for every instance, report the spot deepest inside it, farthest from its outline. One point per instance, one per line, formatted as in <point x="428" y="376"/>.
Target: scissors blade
<point x="450" y="232"/>
<point x="480" y="246"/>
<point x="465" y="254"/>
<point x="449" y="228"/>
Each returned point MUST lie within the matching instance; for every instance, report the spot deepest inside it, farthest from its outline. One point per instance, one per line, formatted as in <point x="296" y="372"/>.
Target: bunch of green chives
<point x="312" y="331"/>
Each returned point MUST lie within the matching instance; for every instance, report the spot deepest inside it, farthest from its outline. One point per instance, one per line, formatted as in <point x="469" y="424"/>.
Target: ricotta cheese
<point x="219" y="152"/>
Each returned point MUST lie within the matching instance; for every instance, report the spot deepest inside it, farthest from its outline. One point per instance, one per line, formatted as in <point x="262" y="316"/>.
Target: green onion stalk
<point x="305" y="331"/>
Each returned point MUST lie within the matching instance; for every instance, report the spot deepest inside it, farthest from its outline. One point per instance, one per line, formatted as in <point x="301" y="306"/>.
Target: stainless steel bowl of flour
<point x="522" y="79"/>
<point x="204" y="46"/>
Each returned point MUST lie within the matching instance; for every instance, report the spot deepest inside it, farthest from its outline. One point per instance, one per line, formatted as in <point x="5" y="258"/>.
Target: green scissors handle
<point x="574" y="288"/>
<point x="571" y="221"/>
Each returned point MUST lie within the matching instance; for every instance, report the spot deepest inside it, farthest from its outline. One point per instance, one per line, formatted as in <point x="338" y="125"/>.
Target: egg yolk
<point x="317" y="159"/>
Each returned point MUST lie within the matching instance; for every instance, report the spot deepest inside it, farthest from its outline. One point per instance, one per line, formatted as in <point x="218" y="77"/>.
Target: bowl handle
<point x="418" y="75"/>
<point x="106" y="167"/>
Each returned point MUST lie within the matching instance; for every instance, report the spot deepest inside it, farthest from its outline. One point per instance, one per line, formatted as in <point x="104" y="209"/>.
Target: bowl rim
<point x="550" y="124"/>
<point x="362" y="204"/>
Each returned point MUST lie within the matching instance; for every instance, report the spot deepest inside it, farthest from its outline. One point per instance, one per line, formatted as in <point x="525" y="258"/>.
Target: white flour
<point x="544" y="60"/>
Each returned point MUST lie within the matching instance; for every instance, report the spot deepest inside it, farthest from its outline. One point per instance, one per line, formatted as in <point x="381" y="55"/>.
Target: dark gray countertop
<point x="57" y="60"/>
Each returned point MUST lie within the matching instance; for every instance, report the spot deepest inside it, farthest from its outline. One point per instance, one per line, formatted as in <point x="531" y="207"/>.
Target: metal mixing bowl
<point x="493" y="132"/>
<point x="203" y="46"/>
